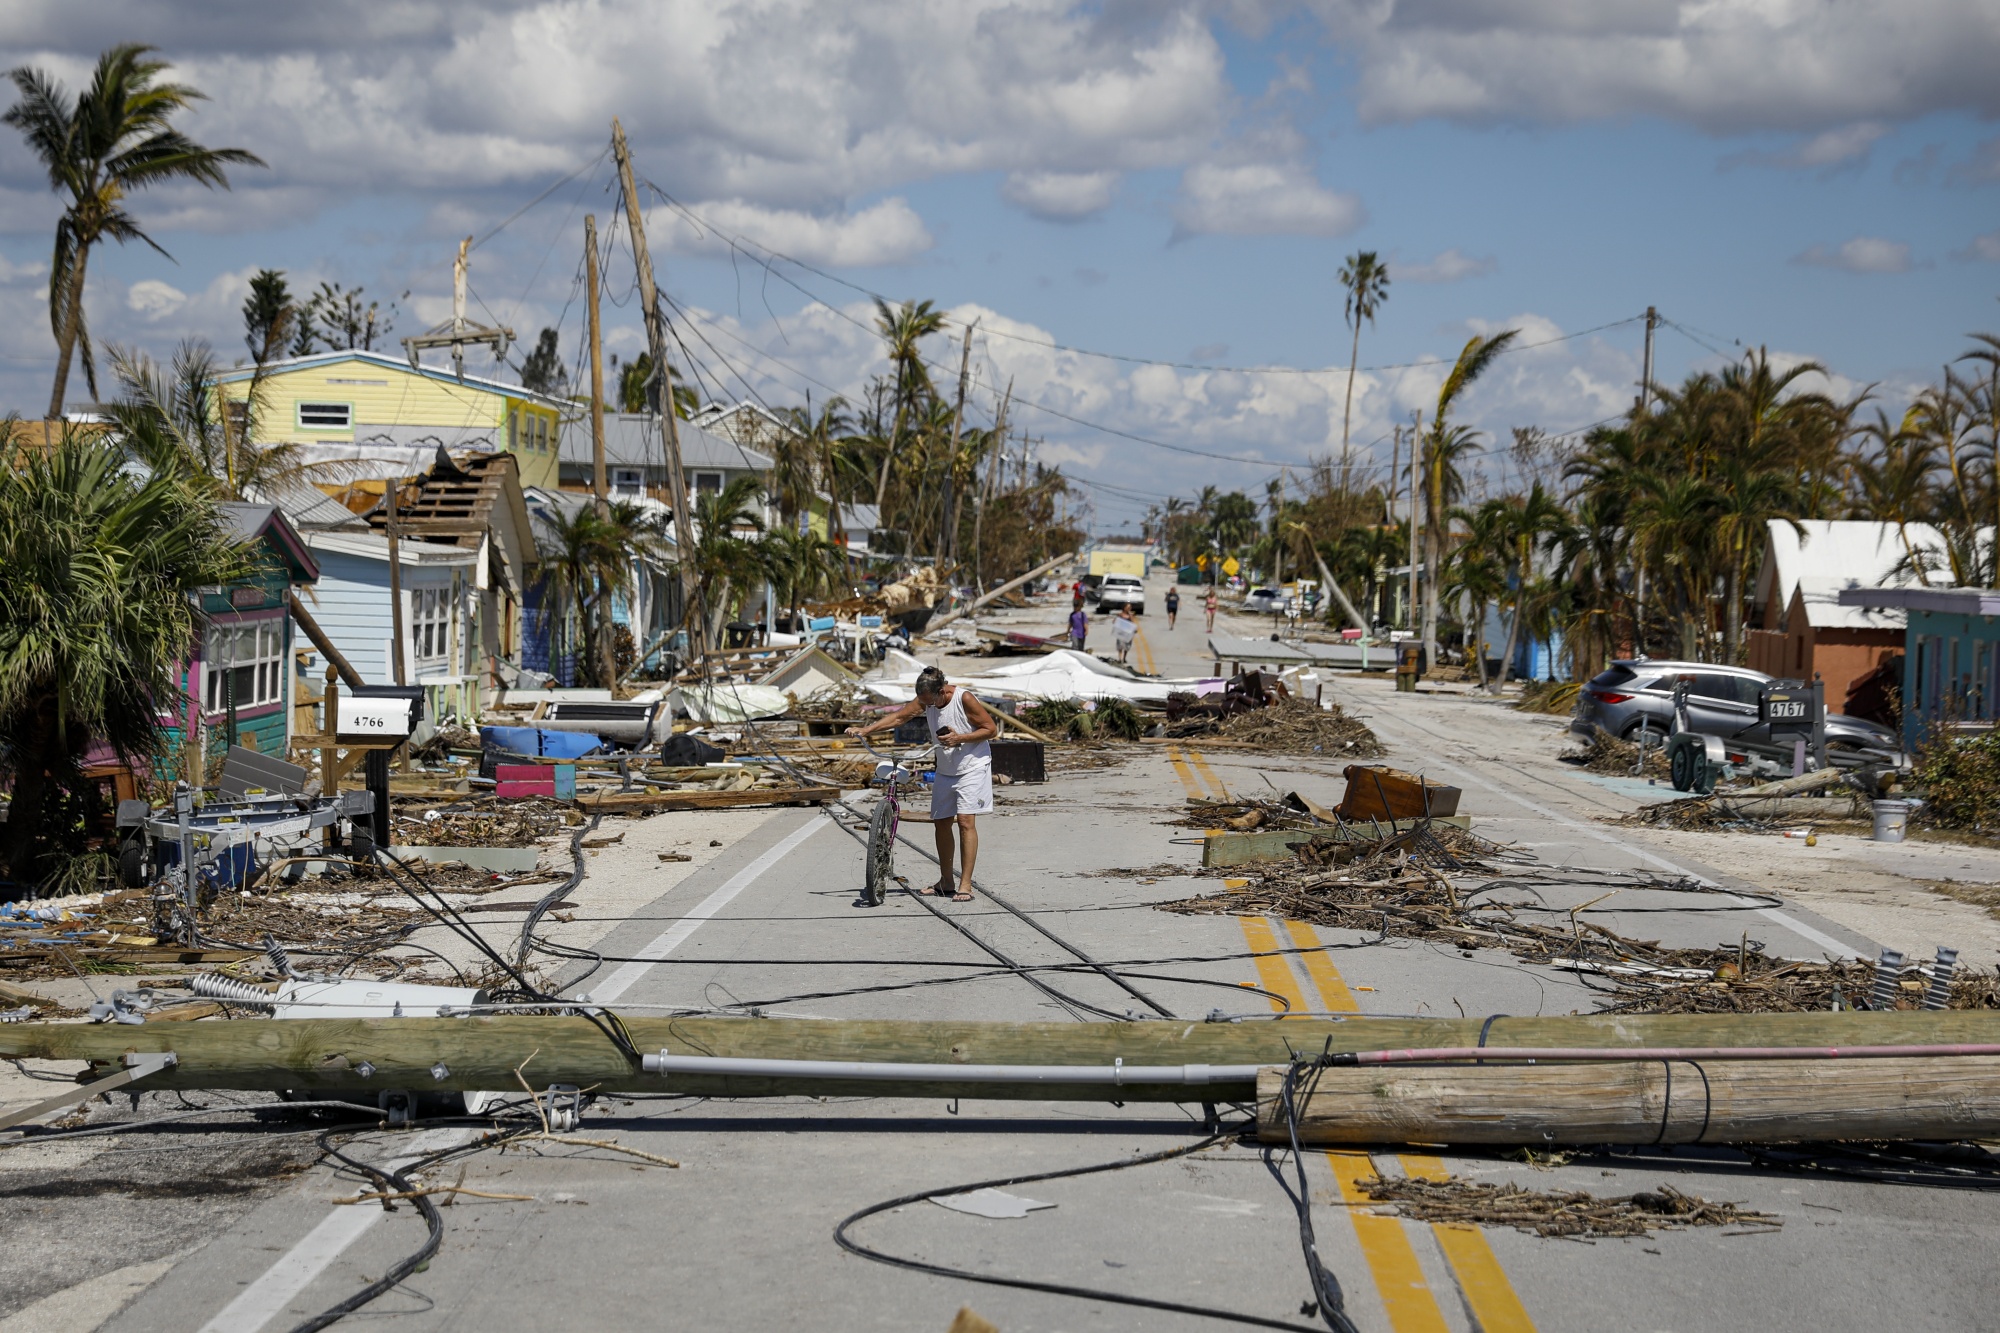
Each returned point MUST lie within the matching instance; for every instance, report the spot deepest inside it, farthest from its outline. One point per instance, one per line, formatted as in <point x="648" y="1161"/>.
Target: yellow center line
<point x="1491" y="1298"/>
<point x="1220" y="792"/>
<point x="1392" y="1262"/>
<point x="1142" y="652"/>
<point x="1182" y="771"/>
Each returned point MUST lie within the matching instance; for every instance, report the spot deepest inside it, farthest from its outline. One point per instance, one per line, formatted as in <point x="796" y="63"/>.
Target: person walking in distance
<point x="1208" y="605"/>
<point x="1173" y="605"/>
<point x="963" y="789"/>
<point x="1124" y="629"/>
<point x="1079" y="626"/>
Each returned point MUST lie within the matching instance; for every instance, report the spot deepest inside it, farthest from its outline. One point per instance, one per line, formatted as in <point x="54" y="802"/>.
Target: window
<point x="430" y="623"/>
<point x="1728" y="689"/>
<point x="627" y="480"/>
<point x="241" y="665"/>
<point x="708" y="481"/>
<point x="326" y="416"/>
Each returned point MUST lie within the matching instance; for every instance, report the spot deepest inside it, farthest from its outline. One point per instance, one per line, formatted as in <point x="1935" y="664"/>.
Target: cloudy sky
<point x="1172" y="184"/>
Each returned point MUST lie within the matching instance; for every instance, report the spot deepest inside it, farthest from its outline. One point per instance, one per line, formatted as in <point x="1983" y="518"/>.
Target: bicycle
<point x="878" y="867"/>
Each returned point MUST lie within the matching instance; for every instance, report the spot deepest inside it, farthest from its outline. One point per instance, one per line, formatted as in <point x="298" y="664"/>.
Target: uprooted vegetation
<point x="1293" y="726"/>
<point x="1959" y="777"/>
<point x="1605" y="753"/>
<point x="1110" y="719"/>
<point x="1570" y="1214"/>
<point x="1449" y="887"/>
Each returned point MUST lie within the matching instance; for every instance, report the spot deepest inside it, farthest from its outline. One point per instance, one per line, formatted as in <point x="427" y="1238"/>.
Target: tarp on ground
<point x="723" y="701"/>
<point x="1062" y="674"/>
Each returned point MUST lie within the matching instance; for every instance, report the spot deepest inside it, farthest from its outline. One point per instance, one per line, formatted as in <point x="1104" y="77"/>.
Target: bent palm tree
<point x="1366" y="281"/>
<point x="1442" y="445"/>
<point x="904" y="328"/>
<point x="115" y="138"/>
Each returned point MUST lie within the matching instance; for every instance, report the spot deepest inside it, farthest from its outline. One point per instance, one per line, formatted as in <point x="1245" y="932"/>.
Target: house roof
<point x="544" y="504"/>
<point x="387" y="362"/>
<point x="632" y="439"/>
<point x="1820" y="598"/>
<point x="374" y="546"/>
<point x="1840" y="553"/>
<point x="267" y="523"/>
<point x="1951" y="601"/>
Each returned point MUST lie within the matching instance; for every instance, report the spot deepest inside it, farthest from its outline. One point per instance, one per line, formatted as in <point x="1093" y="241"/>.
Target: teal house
<point x="1951" y="655"/>
<point x="238" y="686"/>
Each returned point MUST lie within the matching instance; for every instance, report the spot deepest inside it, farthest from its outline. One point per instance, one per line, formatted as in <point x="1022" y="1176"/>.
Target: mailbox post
<point x="380" y="717"/>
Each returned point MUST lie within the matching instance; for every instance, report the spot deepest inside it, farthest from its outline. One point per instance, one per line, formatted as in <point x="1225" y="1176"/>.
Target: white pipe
<point x="1116" y="1074"/>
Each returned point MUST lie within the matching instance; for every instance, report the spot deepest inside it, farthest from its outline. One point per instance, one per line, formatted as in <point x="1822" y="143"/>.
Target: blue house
<point x="1951" y="655"/>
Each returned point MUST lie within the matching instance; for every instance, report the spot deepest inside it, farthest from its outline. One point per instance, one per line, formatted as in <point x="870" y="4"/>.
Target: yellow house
<point x="369" y="408"/>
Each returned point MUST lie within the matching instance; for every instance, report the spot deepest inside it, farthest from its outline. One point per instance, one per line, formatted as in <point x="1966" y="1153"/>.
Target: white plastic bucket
<point x="1890" y="819"/>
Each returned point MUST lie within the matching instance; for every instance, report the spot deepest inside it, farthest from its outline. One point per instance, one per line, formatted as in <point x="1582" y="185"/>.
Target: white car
<point x="1121" y="590"/>
<point x="1264" y="601"/>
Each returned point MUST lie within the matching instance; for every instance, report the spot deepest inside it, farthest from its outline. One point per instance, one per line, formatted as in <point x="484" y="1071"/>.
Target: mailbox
<point x="379" y="713"/>
<point x="1793" y="710"/>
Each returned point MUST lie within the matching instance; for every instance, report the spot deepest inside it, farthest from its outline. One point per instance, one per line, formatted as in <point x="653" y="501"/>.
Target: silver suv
<point x="1637" y="694"/>
<point x="1121" y="590"/>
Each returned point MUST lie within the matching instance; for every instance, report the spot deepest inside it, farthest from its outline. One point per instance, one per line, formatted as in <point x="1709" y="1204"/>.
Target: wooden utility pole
<point x="1415" y="521"/>
<point x="993" y="468"/>
<point x="948" y="528"/>
<point x="670" y="434"/>
<point x="395" y="580"/>
<point x="597" y="478"/>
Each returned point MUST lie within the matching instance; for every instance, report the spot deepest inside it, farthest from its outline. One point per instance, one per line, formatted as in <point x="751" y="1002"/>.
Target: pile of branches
<point x="1572" y="1214"/>
<point x="1444" y="885"/>
<point x="1548" y="696"/>
<point x="483" y="821"/>
<point x="1293" y="726"/>
<point x="1110" y="719"/>
<point x="843" y="701"/>
<point x="1242" y="815"/>
<point x="1605" y="753"/>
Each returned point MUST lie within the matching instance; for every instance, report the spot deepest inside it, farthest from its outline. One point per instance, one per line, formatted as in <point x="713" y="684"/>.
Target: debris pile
<point x="1293" y="726"/>
<point x="1606" y="754"/>
<point x="843" y="701"/>
<point x="1548" y="696"/>
<point x="1570" y="1214"/>
<point x="1446" y="886"/>
<point x="1109" y="719"/>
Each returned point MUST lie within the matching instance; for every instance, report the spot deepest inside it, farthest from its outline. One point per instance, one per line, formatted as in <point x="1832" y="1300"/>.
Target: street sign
<point x="1230" y="567"/>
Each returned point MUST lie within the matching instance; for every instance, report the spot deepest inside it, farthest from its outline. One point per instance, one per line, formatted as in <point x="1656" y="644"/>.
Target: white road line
<point x="676" y="935"/>
<point x="1783" y="918"/>
<point x="260" y="1302"/>
<point x="257" y="1304"/>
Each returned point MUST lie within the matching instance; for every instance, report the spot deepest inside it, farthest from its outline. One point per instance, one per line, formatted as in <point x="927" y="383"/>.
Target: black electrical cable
<point x="397" y="1182"/>
<point x="852" y="1246"/>
<point x="555" y="895"/>
<point x="1327" y="1295"/>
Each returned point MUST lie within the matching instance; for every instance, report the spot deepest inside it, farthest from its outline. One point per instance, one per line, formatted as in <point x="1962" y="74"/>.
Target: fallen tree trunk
<point x="327" y="1056"/>
<point x="1798" y="786"/>
<point x="1669" y="1101"/>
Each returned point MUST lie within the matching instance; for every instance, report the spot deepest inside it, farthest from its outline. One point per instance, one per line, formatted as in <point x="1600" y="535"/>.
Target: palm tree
<point x="176" y="417"/>
<point x="1526" y="524"/>
<point x="723" y="558"/>
<point x="1443" y="445"/>
<point x="1365" y="279"/>
<point x="99" y="569"/>
<point x="114" y="139"/>
<point x="801" y="563"/>
<point x="904" y="329"/>
<point x="1478" y="571"/>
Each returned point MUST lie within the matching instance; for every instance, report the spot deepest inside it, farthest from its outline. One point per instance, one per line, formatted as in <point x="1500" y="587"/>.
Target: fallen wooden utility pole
<point x="364" y="1057"/>
<point x="1000" y="591"/>
<point x="1711" y="1100"/>
<point x="324" y="644"/>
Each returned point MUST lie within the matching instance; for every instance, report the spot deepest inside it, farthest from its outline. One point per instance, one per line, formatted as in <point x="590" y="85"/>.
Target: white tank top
<point x="955" y="759"/>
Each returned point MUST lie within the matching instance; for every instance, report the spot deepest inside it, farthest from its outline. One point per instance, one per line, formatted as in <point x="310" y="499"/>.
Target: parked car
<point x="1121" y="590"/>
<point x="1265" y="601"/>
<point x="1635" y="695"/>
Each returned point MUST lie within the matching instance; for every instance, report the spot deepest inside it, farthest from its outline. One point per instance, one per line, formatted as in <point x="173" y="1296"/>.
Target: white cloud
<point x="1060" y="196"/>
<point x="1985" y="247"/>
<point x="889" y="232"/>
<point x="1727" y="66"/>
<point x="1261" y="199"/>
<point x="10" y="272"/>
<point x="1846" y="146"/>
<point x="1451" y="266"/>
<point x="151" y="299"/>
<point x="1863" y="254"/>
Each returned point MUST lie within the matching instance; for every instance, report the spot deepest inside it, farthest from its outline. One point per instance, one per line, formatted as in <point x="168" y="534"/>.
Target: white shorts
<point x="969" y="792"/>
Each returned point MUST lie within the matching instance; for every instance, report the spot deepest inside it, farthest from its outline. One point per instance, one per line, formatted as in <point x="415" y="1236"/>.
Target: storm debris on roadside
<point x="1606" y="754"/>
<point x="1563" y="1214"/>
<point x="1293" y="726"/>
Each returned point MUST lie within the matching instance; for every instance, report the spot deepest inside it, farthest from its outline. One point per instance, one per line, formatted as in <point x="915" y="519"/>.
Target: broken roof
<point x="1844" y="553"/>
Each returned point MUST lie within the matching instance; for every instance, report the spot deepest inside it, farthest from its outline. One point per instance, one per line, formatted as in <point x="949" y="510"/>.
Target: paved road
<point x="740" y="1236"/>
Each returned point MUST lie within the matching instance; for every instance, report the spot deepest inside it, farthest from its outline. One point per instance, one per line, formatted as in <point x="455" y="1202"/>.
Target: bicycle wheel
<point x="881" y="853"/>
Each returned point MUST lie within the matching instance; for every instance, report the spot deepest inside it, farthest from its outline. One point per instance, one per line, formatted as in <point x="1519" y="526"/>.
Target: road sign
<point x="1230" y="566"/>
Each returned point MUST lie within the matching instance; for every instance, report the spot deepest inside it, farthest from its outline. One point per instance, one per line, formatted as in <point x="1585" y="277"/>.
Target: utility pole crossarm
<point x="457" y="333"/>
